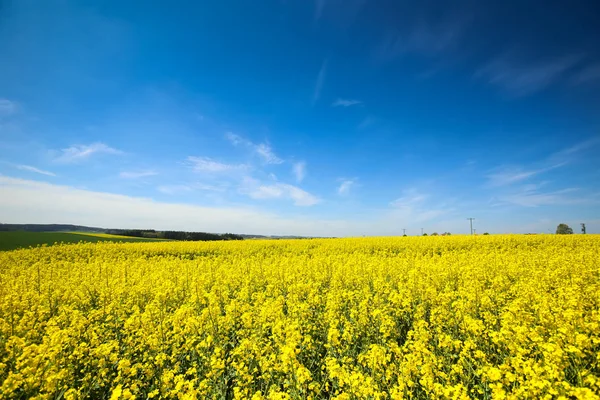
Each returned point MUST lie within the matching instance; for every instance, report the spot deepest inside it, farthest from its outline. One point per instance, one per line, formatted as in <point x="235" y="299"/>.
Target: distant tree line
<point x="174" y="235"/>
<point x="48" y="228"/>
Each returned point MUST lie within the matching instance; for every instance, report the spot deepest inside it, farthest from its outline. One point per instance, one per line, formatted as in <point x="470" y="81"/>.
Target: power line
<point x="471" y="222"/>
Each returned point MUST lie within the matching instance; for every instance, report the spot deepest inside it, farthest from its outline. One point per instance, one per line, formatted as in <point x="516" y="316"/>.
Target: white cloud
<point x="263" y="150"/>
<point x="205" y="164"/>
<point x="365" y="123"/>
<point x="319" y="6"/>
<point x="413" y="207"/>
<point x="211" y="188"/>
<point x="589" y="74"/>
<point x="433" y="40"/>
<point x="82" y="152"/>
<point x="7" y="107"/>
<point x="267" y="154"/>
<point x="409" y="198"/>
<point x="261" y="191"/>
<point x="529" y="196"/>
<point x="34" y="169"/>
<point x="345" y="186"/>
<point x="174" y="189"/>
<point x="299" y="170"/>
<point x="521" y="79"/>
<point x="137" y="174"/>
<point x="27" y="201"/>
<point x="509" y="176"/>
<point x="236" y="140"/>
<point x="320" y="81"/>
<point x="345" y="103"/>
<point x="564" y="154"/>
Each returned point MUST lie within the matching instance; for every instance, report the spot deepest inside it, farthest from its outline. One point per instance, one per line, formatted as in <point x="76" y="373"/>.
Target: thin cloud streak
<point x="520" y="79"/>
<point x="346" y="186"/>
<point x="345" y="103"/>
<point x="589" y="74"/>
<point x="531" y="197"/>
<point x="320" y="81"/>
<point x="7" y="107"/>
<point x="261" y="191"/>
<point x="136" y="174"/>
<point x="299" y="170"/>
<point x="205" y="164"/>
<point x="263" y="150"/>
<point x="504" y="176"/>
<point x="425" y="39"/>
<point x="78" y="153"/>
<point x="34" y="169"/>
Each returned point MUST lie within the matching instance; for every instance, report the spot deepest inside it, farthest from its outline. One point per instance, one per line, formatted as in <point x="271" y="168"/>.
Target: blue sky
<point x="296" y="117"/>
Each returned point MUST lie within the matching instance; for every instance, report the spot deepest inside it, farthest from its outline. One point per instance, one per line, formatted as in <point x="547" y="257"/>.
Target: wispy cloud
<point x="423" y="38"/>
<point x="409" y="198"/>
<point x="413" y="206"/>
<point x="320" y="81"/>
<point x="263" y="150"/>
<point x="365" y="123"/>
<point x="564" y="154"/>
<point x="508" y="175"/>
<point x="346" y="186"/>
<point x="205" y="164"/>
<point x="7" y="107"/>
<point x="174" y="189"/>
<point x="589" y="74"/>
<point x="299" y="170"/>
<point x="345" y="103"/>
<point x="266" y="153"/>
<point x="136" y="174"/>
<point x="34" y="169"/>
<point x="520" y="79"/>
<point x="28" y="201"/>
<point x="82" y="152"/>
<point x="319" y="6"/>
<point x="221" y="187"/>
<point x="530" y="196"/>
<point x="261" y="191"/>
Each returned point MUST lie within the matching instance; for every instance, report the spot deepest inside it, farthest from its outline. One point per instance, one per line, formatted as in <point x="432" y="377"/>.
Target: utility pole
<point x="471" y="222"/>
<point x="583" y="228"/>
<point x="403" y="231"/>
<point x="421" y="231"/>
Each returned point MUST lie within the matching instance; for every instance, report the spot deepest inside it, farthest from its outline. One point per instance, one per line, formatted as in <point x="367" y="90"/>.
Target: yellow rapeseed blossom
<point x="495" y="317"/>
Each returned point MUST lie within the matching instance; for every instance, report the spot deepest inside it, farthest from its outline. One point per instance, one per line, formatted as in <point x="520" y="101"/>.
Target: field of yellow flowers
<point x="378" y="318"/>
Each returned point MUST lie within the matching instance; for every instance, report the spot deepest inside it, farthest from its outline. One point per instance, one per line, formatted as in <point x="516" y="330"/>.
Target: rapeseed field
<point x="491" y="317"/>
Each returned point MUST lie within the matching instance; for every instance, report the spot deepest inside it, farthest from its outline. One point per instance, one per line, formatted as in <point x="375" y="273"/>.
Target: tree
<point x="563" y="229"/>
<point x="434" y="234"/>
<point x="425" y="234"/>
<point x="485" y="233"/>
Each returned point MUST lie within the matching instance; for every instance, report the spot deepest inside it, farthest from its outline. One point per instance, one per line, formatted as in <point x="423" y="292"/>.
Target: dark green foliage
<point x="10" y="240"/>
<point x="175" y="235"/>
<point x="563" y="229"/>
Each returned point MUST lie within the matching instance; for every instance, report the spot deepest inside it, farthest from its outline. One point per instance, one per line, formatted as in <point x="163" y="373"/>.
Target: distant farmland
<point x="21" y="239"/>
